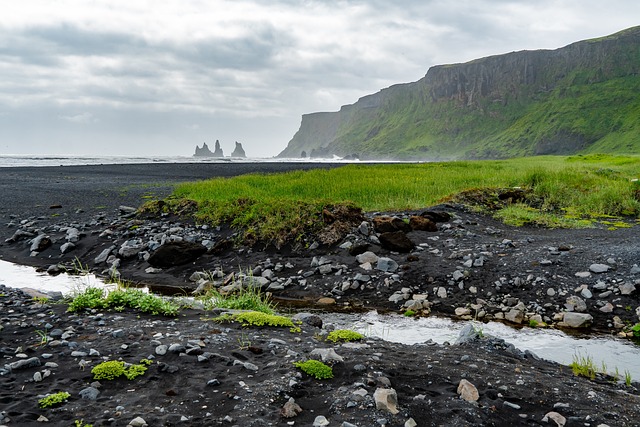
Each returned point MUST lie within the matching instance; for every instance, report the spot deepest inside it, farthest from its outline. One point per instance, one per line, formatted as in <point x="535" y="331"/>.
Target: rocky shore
<point x="442" y="260"/>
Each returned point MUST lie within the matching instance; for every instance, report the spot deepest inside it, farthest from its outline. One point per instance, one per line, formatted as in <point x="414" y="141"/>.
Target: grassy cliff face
<point x="578" y="99"/>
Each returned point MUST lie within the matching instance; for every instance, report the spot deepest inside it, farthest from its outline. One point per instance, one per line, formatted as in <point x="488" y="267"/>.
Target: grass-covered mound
<point x="551" y="191"/>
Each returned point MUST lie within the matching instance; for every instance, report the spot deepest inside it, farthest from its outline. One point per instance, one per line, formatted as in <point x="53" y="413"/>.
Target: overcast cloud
<point x="136" y="77"/>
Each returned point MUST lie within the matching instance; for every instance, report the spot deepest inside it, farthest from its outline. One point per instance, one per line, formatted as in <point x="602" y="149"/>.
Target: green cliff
<point x="581" y="98"/>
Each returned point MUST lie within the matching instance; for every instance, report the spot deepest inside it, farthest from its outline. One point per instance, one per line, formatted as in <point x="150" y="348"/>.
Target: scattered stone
<point x="386" y="400"/>
<point x="290" y="409"/>
<point x="556" y="417"/>
<point x="137" y="422"/>
<point x="577" y="320"/>
<point x="396" y="241"/>
<point x="468" y="391"/>
<point x="599" y="268"/>
<point x="320" y="421"/>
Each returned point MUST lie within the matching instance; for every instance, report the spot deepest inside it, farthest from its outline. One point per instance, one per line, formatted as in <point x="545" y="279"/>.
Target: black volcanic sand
<point x="224" y="374"/>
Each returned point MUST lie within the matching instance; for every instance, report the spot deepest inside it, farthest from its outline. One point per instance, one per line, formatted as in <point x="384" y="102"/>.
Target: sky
<point x="145" y="77"/>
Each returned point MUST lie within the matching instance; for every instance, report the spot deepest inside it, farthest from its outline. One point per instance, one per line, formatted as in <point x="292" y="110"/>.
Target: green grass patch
<point x="248" y="298"/>
<point x="552" y="191"/>
<point x="121" y="298"/>
<point x="112" y="369"/>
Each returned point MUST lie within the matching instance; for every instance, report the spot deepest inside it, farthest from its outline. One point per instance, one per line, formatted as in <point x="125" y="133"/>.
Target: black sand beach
<point x="207" y="373"/>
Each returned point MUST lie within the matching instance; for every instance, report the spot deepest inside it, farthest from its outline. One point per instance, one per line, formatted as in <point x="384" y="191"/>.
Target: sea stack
<point x="238" y="151"/>
<point x="203" y="152"/>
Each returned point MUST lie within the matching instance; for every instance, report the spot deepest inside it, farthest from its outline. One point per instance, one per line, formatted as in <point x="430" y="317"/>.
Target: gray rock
<point x="137" y="422"/>
<point x="387" y="265"/>
<point x="577" y="320"/>
<point x="67" y="247"/>
<point x="40" y="243"/>
<point x="31" y="362"/>
<point x="89" y="393"/>
<point x="599" y="268"/>
<point x="320" y="421"/>
<point x="575" y="303"/>
<point x="627" y="289"/>
<point x="327" y="355"/>
<point x="368" y="256"/>
<point x="468" y="333"/>
<point x="104" y="255"/>
<point x="130" y="248"/>
<point x="468" y="391"/>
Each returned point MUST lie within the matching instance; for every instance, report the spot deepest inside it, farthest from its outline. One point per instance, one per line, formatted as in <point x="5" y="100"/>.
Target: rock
<point x="290" y="409"/>
<point x="436" y="216"/>
<point x="396" y="241"/>
<point x="468" y="391"/>
<point x="40" y="243"/>
<point x="410" y="423"/>
<point x="31" y="362"/>
<point x="137" y="422"/>
<point x="386" y="400"/>
<point x="514" y="315"/>
<point x="104" y="255"/>
<point x="627" y="289"/>
<point x="238" y="151"/>
<point x="599" y="268"/>
<point x="420" y="223"/>
<point x="586" y="293"/>
<point x="468" y="333"/>
<point x="607" y="308"/>
<point x="575" y="303"/>
<point x="67" y="247"/>
<point x="89" y="393"/>
<point x="365" y="257"/>
<point x="327" y="355"/>
<point x="131" y="248"/>
<point x="556" y="417"/>
<point x="387" y="265"/>
<point x="176" y="253"/>
<point x="441" y="293"/>
<point x="583" y="274"/>
<point x="386" y="224"/>
<point x="577" y="320"/>
<point x="308" y="318"/>
<point x="462" y="311"/>
<point x="320" y="421"/>
<point x="326" y="301"/>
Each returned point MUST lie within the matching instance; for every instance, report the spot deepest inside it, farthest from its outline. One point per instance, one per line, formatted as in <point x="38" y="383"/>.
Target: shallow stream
<point x="549" y="344"/>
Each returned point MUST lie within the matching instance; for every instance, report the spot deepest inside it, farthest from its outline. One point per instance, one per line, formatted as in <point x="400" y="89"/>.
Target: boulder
<point x="386" y="400"/>
<point x="386" y="224"/>
<point x="576" y="320"/>
<point x="468" y="391"/>
<point x="396" y="241"/>
<point x="419" y="223"/>
<point x="176" y="253"/>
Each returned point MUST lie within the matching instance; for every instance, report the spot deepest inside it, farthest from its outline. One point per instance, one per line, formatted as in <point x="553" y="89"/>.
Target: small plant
<point x="315" y="368"/>
<point x="81" y="423"/>
<point x="113" y="369"/>
<point x="122" y="298"/>
<point x="249" y="298"/>
<point x="533" y="323"/>
<point x="409" y="313"/>
<point x="627" y="378"/>
<point x="636" y="330"/>
<point x="584" y="366"/>
<point x="257" y="318"/>
<point x="91" y="297"/>
<point x="108" y="370"/>
<point x="43" y="337"/>
<point x="344" y="335"/>
<point x="42" y="300"/>
<point x="53" y="399"/>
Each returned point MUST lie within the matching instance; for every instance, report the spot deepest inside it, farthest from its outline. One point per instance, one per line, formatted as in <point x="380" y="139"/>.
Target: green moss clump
<point x="316" y="369"/>
<point x="344" y="335"/>
<point x="256" y="318"/>
<point x="113" y="369"/>
<point x="109" y="370"/>
<point x="53" y="399"/>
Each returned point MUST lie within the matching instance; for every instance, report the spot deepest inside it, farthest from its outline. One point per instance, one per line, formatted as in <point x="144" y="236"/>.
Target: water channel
<point x="550" y="344"/>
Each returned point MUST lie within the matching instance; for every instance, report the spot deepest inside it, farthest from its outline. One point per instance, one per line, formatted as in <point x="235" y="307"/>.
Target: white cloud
<point x="251" y="67"/>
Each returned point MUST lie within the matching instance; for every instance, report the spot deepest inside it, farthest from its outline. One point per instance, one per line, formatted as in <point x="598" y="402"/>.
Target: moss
<point x="256" y="318"/>
<point x="113" y="369"/>
<point x="315" y="368"/>
<point x="344" y="335"/>
<point x="53" y="399"/>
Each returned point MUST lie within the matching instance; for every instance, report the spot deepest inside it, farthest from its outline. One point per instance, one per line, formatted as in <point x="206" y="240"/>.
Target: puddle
<point x="547" y="343"/>
<point x="20" y="276"/>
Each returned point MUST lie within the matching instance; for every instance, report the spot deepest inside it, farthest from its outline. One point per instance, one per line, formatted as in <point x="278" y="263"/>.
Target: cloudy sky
<point x="136" y="77"/>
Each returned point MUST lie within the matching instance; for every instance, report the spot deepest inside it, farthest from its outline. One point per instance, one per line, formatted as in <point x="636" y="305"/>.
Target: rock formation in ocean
<point x="238" y="151"/>
<point x="203" y="152"/>
<point x="217" y="152"/>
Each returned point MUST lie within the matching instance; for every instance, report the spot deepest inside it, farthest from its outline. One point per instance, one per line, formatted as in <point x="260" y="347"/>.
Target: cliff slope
<point x="577" y="99"/>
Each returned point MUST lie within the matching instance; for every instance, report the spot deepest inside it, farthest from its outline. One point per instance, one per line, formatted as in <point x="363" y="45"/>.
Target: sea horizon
<point x="38" y="160"/>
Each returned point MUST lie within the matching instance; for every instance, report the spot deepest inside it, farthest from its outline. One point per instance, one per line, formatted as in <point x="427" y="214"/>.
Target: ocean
<point x="10" y="160"/>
